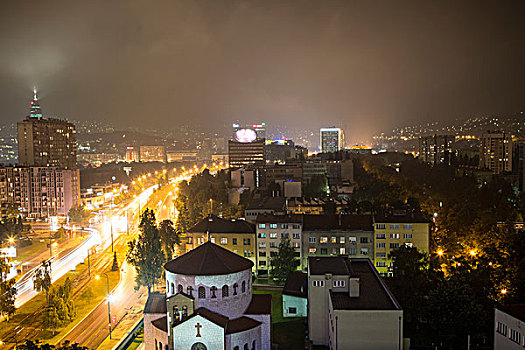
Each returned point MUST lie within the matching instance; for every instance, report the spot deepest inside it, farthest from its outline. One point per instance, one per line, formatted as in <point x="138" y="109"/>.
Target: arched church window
<point x="246" y="346"/>
<point x="243" y="287"/>
<point x="190" y="291"/>
<point x="202" y="292"/>
<point x="253" y="345"/>
<point x="180" y="288"/>
<point x="213" y="290"/>
<point x="235" y="286"/>
<point x="225" y="291"/>
<point x="184" y="311"/>
<point x="172" y="288"/>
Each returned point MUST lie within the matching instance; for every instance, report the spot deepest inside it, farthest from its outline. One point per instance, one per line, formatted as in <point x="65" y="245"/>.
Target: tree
<point x="169" y="237"/>
<point x="145" y="253"/>
<point x="7" y="291"/>
<point x="78" y="214"/>
<point x="66" y="345"/>
<point x="42" y="279"/>
<point x="284" y="262"/>
<point x="60" y="309"/>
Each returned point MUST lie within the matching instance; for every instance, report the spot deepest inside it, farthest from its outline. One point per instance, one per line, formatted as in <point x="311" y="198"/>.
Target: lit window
<point x="262" y="235"/>
<point x="380" y="236"/>
<point x="408" y="226"/>
<point x="224" y="240"/>
<point x="381" y="245"/>
<point x="323" y="240"/>
<point x="273" y="225"/>
<point x="394" y="235"/>
<point x="408" y="235"/>
<point x="311" y="239"/>
<point x="273" y="235"/>
<point x="262" y="225"/>
<point x="312" y="250"/>
<point x="342" y="240"/>
<point x="334" y="240"/>
<point x="318" y="283"/>
<point x="394" y="226"/>
<point x="380" y="226"/>
<point x="338" y="283"/>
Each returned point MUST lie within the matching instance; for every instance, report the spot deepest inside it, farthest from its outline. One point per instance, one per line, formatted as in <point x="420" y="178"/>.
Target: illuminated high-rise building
<point x="46" y="141"/>
<point x="331" y="139"/>
<point x="496" y="152"/>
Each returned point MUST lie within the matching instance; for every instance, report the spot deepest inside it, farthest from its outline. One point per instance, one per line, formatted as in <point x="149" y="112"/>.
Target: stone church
<point x="208" y="305"/>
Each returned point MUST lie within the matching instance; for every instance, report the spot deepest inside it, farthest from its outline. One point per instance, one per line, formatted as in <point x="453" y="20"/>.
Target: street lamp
<point x="109" y="298"/>
<point x="440" y="252"/>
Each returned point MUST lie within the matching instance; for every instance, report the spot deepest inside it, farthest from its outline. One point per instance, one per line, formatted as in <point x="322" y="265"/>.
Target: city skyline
<point x="362" y="67"/>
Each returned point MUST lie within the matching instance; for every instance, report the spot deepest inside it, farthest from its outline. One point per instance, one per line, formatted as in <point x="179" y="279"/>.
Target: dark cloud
<point x="366" y="65"/>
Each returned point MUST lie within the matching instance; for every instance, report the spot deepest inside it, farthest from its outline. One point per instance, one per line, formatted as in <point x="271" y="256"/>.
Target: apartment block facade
<point x="393" y="231"/>
<point x="271" y="230"/>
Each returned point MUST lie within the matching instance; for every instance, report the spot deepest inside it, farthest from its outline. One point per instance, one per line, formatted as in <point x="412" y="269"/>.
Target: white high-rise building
<point x="331" y="139"/>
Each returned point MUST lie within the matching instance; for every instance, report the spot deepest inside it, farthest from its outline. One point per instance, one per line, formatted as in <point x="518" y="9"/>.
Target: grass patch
<point x="29" y="317"/>
<point x="92" y="294"/>
<point x="139" y="339"/>
<point x="30" y="250"/>
<point x="289" y="332"/>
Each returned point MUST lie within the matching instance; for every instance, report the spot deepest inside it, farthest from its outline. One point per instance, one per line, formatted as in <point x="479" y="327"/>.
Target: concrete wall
<point x="232" y="306"/>
<point x="244" y="338"/>
<point x="301" y="305"/>
<point x="151" y="333"/>
<point x="266" y="330"/>
<point x="503" y="342"/>
<point x="366" y="329"/>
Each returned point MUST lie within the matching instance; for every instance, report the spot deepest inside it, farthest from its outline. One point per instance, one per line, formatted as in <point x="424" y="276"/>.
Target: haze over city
<point x="262" y="175"/>
<point x="364" y="66"/>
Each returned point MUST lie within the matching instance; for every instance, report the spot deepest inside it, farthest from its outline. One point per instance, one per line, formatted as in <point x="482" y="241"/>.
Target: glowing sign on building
<point x="245" y="135"/>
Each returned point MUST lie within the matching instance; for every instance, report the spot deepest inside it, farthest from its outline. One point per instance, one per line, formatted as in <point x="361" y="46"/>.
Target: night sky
<point x="363" y="65"/>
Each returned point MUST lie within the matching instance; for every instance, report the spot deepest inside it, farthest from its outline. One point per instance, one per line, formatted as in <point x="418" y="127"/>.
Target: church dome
<point x="207" y="260"/>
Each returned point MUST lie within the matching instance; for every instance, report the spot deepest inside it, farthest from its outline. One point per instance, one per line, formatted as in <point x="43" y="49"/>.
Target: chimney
<point x="354" y="287"/>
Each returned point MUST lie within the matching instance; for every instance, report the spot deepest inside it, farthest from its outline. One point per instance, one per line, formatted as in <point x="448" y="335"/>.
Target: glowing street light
<point x="472" y="252"/>
<point x="440" y="252"/>
<point x="11" y="240"/>
<point x="504" y="291"/>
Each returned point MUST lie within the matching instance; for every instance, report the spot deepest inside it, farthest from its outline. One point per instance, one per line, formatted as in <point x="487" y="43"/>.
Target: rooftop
<point x="156" y="304"/>
<point x="268" y="203"/>
<point x="208" y="259"/>
<point x="402" y="218"/>
<point x="373" y="292"/>
<point x="279" y="218"/>
<point x="231" y="326"/>
<point x="296" y="284"/>
<point x="261" y="304"/>
<point x="337" y="222"/>
<point x="514" y="310"/>
<point x="215" y="224"/>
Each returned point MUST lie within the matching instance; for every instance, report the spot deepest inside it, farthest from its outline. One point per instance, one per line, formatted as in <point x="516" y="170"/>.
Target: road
<point x="93" y="330"/>
<point x="99" y="235"/>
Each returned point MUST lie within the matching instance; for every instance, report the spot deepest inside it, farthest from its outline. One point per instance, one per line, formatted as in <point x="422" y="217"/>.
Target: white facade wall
<point x="244" y="338"/>
<point x="185" y="334"/>
<point x="232" y="306"/>
<point x="300" y="304"/>
<point x="365" y="329"/>
<point x="266" y="331"/>
<point x="502" y="336"/>
<point x="151" y="333"/>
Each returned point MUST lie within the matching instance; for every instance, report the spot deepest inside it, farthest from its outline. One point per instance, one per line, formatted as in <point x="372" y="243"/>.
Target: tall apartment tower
<point x="496" y="152"/>
<point x="46" y="141"/>
<point x="331" y="139"/>
<point x="437" y="149"/>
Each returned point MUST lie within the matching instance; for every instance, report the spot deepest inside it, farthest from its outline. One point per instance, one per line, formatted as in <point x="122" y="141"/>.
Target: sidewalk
<point x="126" y="323"/>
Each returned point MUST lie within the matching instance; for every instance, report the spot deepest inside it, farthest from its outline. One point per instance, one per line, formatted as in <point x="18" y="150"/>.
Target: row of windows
<point x="224" y="240"/>
<point x="275" y="235"/>
<point x="341" y="240"/>
<point x="283" y="226"/>
<point x="342" y="251"/>
<point x="335" y="283"/>
<point x="395" y="235"/>
<point x="383" y="245"/>
<point x="394" y="226"/>
<point x="245" y="346"/>
<point x="502" y="329"/>
<point x="213" y="290"/>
